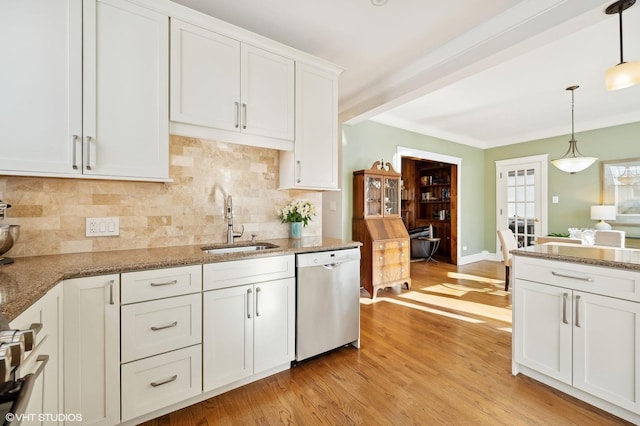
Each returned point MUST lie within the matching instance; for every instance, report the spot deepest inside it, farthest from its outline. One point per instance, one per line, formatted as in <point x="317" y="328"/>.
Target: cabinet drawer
<point x="612" y="282"/>
<point x="150" y="328"/>
<point x="158" y="283"/>
<point x="389" y="245"/>
<point x="159" y="381"/>
<point x="391" y="256"/>
<point x="247" y="271"/>
<point x="389" y="273"/>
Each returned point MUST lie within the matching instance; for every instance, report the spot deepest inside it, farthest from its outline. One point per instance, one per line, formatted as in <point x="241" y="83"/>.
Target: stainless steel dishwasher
<point x="327" y="301"/>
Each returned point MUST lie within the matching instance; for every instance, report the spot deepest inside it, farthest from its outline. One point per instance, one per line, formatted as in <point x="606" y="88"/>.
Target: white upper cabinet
<point x="267" y="86"/>
<point x="205" y="83"/>
<point x="230" y="91"/>
<point x="313" y="164"/>
<point x="41" y="85"/>
<point x="126" y="94"/>
<point x="85" y="89"/>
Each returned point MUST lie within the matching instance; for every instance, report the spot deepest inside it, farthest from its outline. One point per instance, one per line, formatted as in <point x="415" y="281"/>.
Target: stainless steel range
<point x="18" y="370"/>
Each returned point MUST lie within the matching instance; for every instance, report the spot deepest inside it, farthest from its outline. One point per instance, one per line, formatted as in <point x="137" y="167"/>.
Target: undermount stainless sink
<point x="238" y="248"/>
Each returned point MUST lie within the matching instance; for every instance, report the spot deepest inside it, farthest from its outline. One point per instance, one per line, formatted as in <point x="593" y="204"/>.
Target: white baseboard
<point x="484" y="255"/>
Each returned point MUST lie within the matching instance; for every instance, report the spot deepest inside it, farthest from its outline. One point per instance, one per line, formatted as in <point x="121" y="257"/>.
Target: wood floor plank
<point x="439" y="353"/>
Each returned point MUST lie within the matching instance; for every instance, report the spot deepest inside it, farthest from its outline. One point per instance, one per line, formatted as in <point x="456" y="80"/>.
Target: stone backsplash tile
<point x="190" y="210"/>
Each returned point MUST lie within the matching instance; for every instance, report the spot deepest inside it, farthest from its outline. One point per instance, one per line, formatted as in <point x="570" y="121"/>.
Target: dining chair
<point x="610" y="238"/>
<point x="507" y="242"/>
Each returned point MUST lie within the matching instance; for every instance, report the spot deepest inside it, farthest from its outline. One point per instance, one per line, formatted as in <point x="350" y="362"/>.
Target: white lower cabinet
<point x="248" y="329"/>
<point x="92" y="348"/>
<point x="159" y="381"/>
<point x="161" y="317"/>
<point x="158" y="326"/>
<point x="46" y="397"/>
<point x="165" y="342"/>
<point x="584" y="340"/>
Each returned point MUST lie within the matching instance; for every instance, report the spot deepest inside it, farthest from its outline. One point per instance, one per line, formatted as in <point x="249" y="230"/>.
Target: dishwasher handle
<point x="332" y="265"/>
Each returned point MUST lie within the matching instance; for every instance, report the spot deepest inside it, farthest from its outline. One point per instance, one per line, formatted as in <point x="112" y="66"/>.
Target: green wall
<point x="577" y="192"/>
<point x="367" y="142"/>
<point x="364" y="143"/>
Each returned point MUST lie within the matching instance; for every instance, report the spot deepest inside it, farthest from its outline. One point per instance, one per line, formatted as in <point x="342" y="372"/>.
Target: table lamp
<point x="603" y="213"/>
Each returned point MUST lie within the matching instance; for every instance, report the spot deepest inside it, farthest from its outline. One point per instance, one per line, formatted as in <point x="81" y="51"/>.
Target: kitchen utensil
<point x="8" y="236"/>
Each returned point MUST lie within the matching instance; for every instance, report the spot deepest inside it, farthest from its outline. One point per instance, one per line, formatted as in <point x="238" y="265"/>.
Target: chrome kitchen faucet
<point x="231" y="234"/>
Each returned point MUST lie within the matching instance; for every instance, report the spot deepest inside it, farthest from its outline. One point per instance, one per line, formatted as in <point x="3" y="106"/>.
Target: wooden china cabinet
<point x="378" y="226"/>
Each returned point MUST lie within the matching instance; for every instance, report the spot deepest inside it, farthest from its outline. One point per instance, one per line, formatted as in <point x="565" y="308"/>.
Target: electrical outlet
<point x="102" y="226"/>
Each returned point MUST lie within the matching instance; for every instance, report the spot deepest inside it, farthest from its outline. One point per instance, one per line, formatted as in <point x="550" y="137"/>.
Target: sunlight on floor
<point x="459" y="276"/>
<point x="494" y="312"/>
<point x="420" y="308"/>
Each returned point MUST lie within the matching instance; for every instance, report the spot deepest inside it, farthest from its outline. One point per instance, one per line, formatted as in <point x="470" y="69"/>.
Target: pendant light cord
<point x="621" y="50"/>
<point x="573" y="92"/>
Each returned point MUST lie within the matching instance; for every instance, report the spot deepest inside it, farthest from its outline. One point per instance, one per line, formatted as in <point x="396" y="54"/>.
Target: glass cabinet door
<point x="372" y="196"/>
<point x="391" y="196"/>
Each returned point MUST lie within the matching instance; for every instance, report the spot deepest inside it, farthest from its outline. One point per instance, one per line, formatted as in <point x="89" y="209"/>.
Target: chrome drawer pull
<point x="162" y="327"/>
<point x="165" y="381"/>
<point x="74" y="141"/>
<point x="88" y="139"/>
<point x="244" y="116"/>
<point x="110" y="284"/>
<point x="258" y="290"/>
<point x="152" y="284"/>
<point x="573" y="277"/>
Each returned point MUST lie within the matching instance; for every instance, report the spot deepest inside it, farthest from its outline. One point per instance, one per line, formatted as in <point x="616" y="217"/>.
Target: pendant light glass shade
<point x="627" y="178"/>
<point x="573" y="161"/>
<point x="625" y="74"/>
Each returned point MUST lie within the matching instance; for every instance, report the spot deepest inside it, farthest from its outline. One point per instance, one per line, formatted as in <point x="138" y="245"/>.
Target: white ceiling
<point x="483" y="73"/>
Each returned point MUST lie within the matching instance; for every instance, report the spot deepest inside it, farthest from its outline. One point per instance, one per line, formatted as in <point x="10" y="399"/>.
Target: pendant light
<point x="627" y="178"/>
<point x="572" y="161"/>
<point x="625" y="74"/>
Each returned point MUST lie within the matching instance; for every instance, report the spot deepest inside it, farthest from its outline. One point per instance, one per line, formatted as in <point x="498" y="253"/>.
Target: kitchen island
<point x="576" y="322"/>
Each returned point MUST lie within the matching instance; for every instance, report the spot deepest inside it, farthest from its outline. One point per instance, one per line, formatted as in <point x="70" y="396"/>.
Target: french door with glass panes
<point x="521" y="197"/>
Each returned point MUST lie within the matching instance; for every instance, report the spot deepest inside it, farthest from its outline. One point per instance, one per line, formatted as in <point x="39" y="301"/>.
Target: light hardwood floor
<point x="439" y="353"/>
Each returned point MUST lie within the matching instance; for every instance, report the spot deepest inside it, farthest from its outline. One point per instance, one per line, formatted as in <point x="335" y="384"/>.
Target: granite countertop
<point x="610" y="257"/>
<point x="29" y="278"/>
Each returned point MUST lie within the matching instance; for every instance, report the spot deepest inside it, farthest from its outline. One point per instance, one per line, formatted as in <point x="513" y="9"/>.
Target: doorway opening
<point x="430" y="198"/>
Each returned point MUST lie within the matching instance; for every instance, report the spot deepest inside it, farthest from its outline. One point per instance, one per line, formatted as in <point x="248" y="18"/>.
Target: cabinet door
<point x="41" y="86"/>
<point x="274" y="324"/>
<point x="205" y="77"/>
<point x="542" y="328"/>
<point x="316" y="141"/>
<point x="391" y="196"/>
<point x="227" y="340"/>
<point x="92" y="349"/>
<point x="373" y="193"/>
<point x="267" y="100"/>
<point x="605" y="353"/>
<point x="126" y="94"/>
<point x="46" y="396"/>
